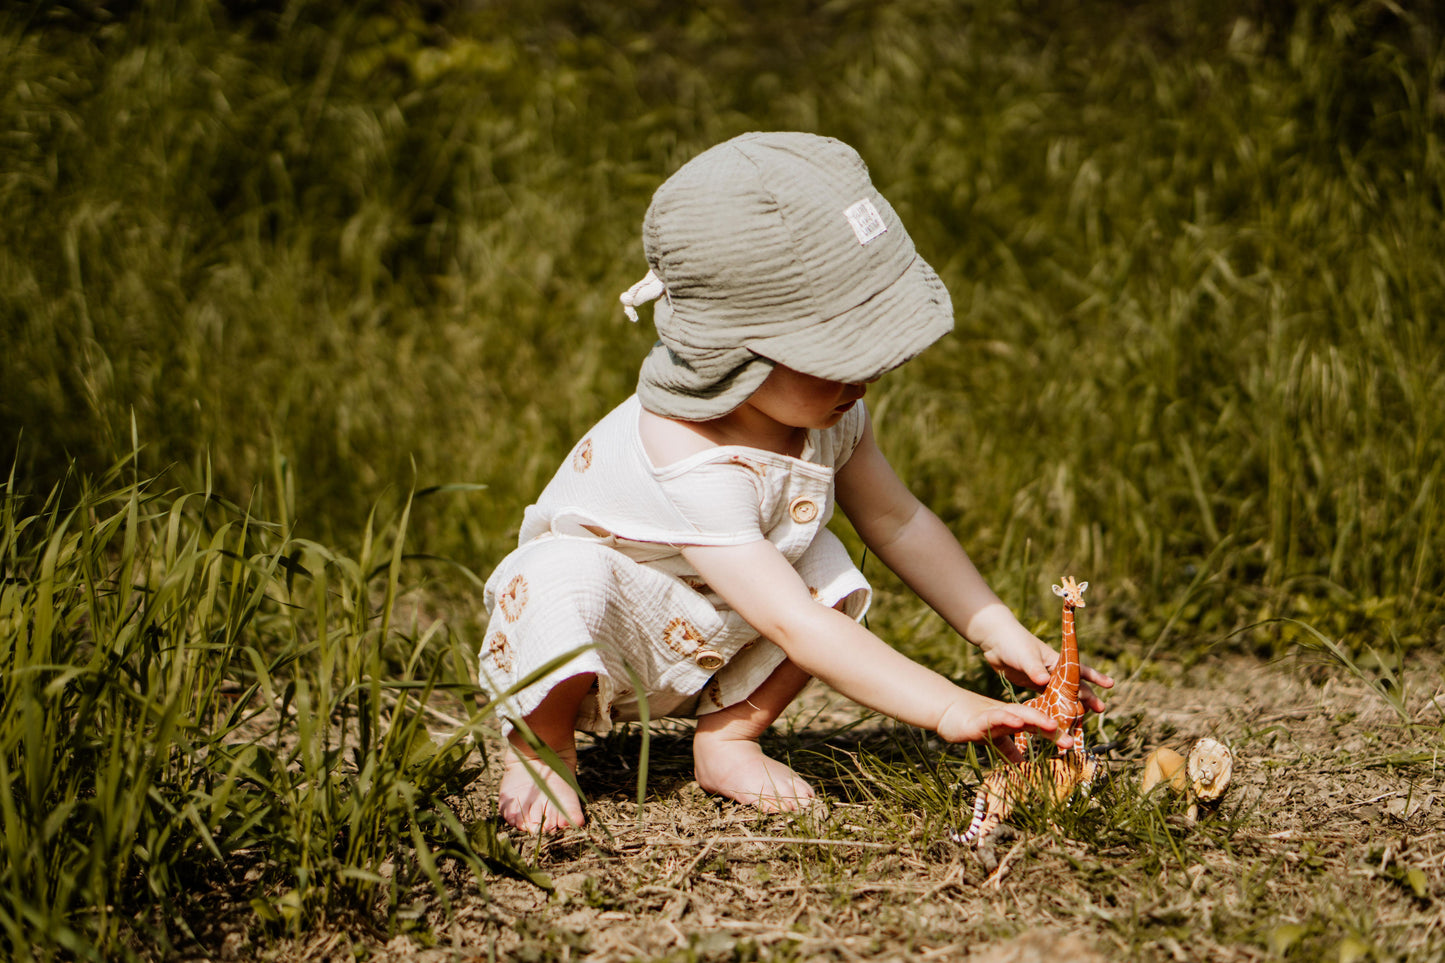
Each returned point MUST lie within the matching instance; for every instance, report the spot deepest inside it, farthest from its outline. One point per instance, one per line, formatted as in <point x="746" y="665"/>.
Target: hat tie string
<point x="650" y="288"/>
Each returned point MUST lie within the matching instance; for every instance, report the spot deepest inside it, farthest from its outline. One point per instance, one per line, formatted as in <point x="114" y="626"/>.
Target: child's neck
<point x="747" y="426"/>
<point x="667" y="440"/>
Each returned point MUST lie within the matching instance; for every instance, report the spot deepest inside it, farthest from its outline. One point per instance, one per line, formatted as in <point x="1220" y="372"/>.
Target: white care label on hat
<point x="866" y="221"/>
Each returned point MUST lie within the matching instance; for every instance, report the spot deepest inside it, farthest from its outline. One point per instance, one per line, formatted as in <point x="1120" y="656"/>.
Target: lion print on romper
<point x="513" y="599"/>
<point x="499" y="650"/>
<point x="681" y="637"/>
<point x="582" y="457"/>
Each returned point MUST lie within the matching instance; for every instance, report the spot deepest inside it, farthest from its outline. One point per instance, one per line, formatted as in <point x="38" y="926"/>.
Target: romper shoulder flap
<point x="607" y="488"/>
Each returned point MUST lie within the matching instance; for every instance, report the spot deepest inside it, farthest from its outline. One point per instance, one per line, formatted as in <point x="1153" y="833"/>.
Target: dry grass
<point x="1330" y="844"/>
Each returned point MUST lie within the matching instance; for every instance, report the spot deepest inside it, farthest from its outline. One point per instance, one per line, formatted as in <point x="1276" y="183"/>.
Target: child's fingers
<point x="1037" y="669"/>
<point x="1006" y="748"/>
<point x="1023" y="680"/>
<point x="1044" y="725"/>
<point x="1019" y="718"/>
<point x="1061" y="739"/>
<point x="1087" y="695"/>
<point x="1033" y="676"/>
<point x="1022" y="719"/>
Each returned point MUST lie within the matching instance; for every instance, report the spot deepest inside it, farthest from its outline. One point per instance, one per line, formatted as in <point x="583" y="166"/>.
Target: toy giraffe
<point x="1058" y="777"/>
<point x="1060" y="699"/>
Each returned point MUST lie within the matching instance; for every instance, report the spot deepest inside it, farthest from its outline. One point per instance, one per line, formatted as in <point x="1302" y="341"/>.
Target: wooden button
<point x="803" y="510"/>
<point x="709" y="660"/>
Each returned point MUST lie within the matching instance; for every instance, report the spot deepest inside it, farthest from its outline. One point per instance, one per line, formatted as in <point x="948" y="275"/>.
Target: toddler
<point x="680" y="554"/>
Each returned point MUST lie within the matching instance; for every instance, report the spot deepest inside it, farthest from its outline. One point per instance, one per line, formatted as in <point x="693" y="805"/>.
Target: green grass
<point x="1195" y="252"/>
<point x="336" y="253"/>
<point x="196" y="702"/>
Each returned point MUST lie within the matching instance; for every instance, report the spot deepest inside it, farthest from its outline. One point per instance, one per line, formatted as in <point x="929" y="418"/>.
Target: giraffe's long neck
<point x="1065" y="678"/>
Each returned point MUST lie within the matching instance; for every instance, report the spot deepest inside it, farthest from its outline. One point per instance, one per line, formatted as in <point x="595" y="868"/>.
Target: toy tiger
<point x="1054" y="779"/>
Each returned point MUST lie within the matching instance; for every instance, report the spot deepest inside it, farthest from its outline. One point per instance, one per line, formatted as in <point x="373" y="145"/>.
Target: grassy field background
<point x="302" y="303"/>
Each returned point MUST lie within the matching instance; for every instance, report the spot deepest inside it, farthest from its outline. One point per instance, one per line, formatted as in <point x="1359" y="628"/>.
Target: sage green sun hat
<point x="775" y="248"/>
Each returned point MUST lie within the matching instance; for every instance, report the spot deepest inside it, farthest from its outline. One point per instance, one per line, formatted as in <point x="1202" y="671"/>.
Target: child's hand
<point x="1025" y="660"/>
<point x="1087" y="695"/>
<point x="976" y="718"/>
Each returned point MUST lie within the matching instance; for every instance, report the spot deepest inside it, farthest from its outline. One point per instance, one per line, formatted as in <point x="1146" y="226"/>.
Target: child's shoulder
<point x="667" y="442"/>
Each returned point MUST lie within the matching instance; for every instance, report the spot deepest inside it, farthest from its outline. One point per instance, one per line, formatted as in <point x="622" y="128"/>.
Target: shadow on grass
<point x="827" y="757"/>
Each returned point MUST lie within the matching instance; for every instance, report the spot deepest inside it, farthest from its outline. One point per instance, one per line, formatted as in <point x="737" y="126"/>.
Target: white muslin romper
<point x="598" y="573"/>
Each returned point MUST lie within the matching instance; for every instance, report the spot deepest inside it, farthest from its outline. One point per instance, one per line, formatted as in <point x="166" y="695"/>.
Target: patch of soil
<point x="1332" y="831"/>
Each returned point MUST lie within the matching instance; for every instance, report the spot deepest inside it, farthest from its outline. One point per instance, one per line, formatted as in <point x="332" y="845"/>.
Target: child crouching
<point x="682" y="547"/>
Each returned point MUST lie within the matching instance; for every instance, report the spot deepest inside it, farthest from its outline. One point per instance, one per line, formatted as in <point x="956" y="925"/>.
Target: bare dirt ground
<point x="1330" y="844"/>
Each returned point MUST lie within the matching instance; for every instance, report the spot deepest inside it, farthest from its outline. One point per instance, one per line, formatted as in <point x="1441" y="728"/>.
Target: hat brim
<point x="868" y="340"/>
<point x="890" y="328"/>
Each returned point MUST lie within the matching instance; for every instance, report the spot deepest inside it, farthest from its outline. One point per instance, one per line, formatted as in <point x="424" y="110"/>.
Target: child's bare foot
<point x="522" y="801"/>
<point x="738" y="769"/>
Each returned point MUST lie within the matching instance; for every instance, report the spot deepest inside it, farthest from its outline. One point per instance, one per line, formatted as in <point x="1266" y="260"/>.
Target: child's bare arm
<point x="912" y="541"/>
<point x="763" y="588"/>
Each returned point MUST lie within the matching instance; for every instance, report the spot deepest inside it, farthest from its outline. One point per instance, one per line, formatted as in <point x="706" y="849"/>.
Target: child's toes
<point x="777" y="799"/>
<point x="538" y="813"/>
<point x="521" y="813"/>
<point x="554" y="819"/>
<point x="527" y="807"/>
